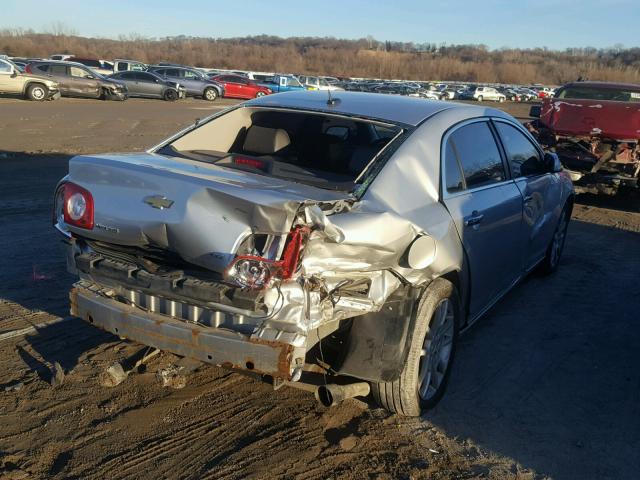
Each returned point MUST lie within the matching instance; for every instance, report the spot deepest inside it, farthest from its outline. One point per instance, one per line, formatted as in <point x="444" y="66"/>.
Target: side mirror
<point x="534" y="111"/>
<point x="552" y="162"/>
<point x="14" y="74"/>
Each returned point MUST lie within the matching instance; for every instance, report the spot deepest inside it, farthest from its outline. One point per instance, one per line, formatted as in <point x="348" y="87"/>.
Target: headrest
<point x="265" y="141"/>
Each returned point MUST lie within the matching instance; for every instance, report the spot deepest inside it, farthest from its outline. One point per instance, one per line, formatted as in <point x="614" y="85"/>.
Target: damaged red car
<point x="594" y="127"/>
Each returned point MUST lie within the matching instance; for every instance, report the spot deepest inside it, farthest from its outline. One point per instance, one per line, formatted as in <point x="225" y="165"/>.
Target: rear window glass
<point x="57" y="69"/>
<point x="598" y="93"/>
<point x="478" y="154"/>
<point x="327" y="151"/>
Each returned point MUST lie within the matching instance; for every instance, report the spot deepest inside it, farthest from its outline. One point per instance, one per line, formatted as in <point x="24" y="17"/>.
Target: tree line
<point x="366" y="57"/>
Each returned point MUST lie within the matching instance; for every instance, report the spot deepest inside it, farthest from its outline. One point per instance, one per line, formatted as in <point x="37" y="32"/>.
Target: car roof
<point x="61" y="62"/>
<point x="390" y="108"/>
<point x="631" y="86"/>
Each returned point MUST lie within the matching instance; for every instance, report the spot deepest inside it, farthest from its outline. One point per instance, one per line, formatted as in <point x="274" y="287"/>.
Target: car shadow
<point x="64" y="343"/>
<point x="549" y="377"/>
<point x="33" y="261"/>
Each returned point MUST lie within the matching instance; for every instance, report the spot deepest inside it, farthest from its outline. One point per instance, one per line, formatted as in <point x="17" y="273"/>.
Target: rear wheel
<point x="210" y="94"/>
<point x="501" y="99"/>
<point x="170" y="95"/>
<point x="37" y="92"/>
<point x="480" y="98"/>
<point x="260" y="94"/>
<point x="428" y="365"/>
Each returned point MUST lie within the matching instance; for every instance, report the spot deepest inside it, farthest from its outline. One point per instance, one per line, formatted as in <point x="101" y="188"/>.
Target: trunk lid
<point x="198" y="210"/>
<point x="601" y="118"/>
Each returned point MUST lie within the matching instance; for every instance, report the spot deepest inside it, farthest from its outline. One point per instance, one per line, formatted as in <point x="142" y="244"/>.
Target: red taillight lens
<point x="256" y="272"/>
<point x="292" y="249"/>
<point x="77" y="206"/>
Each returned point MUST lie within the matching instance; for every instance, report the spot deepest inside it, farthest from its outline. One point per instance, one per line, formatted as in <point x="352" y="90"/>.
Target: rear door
<point x="58" y="73"/>
<point x="486" y="207"/>
<point x="541" y="190"/>
<point x="192" y="82"/>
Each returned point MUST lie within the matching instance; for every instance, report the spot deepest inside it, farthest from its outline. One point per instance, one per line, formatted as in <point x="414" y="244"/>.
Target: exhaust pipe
<point x="331" y="395"/>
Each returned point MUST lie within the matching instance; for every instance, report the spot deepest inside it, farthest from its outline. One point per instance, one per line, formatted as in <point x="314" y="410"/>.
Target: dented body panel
<point x="168" y="228"/>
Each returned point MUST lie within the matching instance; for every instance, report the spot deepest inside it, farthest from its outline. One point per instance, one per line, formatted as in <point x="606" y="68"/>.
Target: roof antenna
<point x="332" y="101"/>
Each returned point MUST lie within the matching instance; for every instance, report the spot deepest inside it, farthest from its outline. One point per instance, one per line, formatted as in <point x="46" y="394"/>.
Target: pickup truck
<point x="282" y="83"/>
<point x="595" y="129"/>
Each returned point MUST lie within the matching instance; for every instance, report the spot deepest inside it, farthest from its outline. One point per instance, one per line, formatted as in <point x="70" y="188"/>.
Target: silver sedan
<point x="352" y="235"/>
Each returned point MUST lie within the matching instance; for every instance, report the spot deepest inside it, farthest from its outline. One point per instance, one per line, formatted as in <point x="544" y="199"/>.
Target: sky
<point x="496" y="23"/>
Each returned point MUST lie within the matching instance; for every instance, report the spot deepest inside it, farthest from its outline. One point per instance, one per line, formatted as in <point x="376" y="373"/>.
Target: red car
<point x="236" y="86"/>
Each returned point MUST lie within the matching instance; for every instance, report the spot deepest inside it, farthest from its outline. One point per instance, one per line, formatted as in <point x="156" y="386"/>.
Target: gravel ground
<point x="545" y="386"/>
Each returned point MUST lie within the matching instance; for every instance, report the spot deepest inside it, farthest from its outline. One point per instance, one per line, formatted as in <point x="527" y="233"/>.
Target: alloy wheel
<point x="436" y="350"/>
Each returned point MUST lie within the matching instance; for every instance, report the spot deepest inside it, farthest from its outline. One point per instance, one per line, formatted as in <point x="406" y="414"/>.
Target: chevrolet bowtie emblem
<point x="158" y="201"/>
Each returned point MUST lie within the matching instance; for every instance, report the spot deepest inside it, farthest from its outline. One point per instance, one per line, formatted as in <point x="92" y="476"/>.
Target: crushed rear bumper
<point x="219" y="346"/>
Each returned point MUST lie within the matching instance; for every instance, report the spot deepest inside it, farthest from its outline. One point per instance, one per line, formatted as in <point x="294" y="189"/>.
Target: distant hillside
<point x="359" y="58"/>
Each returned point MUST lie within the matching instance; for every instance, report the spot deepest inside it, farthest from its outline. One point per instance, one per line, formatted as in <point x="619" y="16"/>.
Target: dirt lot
<point x="547" y="385"/>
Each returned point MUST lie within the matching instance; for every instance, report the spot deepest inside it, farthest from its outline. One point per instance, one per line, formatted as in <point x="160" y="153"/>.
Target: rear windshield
<point x="326" y="151"/>
<point x="598" y="93"/>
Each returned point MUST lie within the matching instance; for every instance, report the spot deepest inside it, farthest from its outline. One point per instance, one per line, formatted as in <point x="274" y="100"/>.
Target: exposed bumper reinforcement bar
<point x="211" y="345"/>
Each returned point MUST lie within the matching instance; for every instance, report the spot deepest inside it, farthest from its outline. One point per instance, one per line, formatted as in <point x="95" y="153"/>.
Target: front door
<point x="148" y="85"/>
<point x="7" y="84"/>
<point x="83" y="83"/>
<point x="486" y="207"/>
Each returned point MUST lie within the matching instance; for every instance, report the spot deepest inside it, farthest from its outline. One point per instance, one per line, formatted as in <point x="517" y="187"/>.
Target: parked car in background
<point x="236" y="86"/>
<point x="122" y="65"/>
<point x="526" y="94"/>
<point x="150" y="85"/>
<point x="20" y="66"/>
<point x="196" y="83"/>
<point x="488" y="93"/>
<point x="77" y="80"/>
<point x="595" y="129"/>
<point x="60" y="56"/>
<point x="543" y="92"/>
<point x="282" y="83"/>
<point x="102" y="67"/>
<point x="316" y="83"/>
<point x="431" y="94"/>
<point x="32" y="87"/>
<point x="255" y="76"/>
<point x="287" y="221"/>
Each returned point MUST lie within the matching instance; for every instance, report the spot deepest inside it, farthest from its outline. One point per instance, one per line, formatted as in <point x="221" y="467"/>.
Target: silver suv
<point x="294" y="234"/>
<point x="32" y="87"/>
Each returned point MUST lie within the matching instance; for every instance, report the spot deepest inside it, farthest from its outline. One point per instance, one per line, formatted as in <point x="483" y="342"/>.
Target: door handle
<point x="474" y="219"/>
<point x="527" y="199"/>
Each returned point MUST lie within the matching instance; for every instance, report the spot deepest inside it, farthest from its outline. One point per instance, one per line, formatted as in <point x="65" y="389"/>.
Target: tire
<point x="500" y="99"/>
<point x="210" y="94"/>
<point x="480" y="98"/>
<point x="37" y="92"/>
<point x="260" y="94"/>
<point x="170" y="95"/>
<point x="551" y="260"/>
<point x="437" y="322"/>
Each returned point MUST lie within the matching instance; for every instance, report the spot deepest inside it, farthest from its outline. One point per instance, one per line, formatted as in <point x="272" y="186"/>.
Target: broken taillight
<point x="254" y="272"/>
<point x="77" y="206"/>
